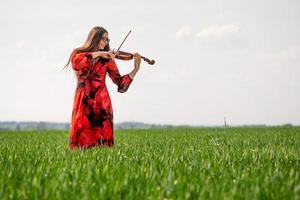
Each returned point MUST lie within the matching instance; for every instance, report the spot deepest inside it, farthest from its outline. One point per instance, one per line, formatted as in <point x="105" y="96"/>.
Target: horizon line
<point x="160" y="124"/>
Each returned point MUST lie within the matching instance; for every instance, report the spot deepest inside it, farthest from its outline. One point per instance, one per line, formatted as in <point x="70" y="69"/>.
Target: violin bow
<point x="122" y="42"/>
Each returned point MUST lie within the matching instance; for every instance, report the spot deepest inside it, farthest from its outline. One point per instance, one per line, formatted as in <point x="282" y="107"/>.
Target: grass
<point x="175" y="163"/>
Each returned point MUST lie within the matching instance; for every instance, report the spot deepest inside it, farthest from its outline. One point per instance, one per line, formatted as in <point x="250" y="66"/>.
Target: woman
<point x="92" y="116"/>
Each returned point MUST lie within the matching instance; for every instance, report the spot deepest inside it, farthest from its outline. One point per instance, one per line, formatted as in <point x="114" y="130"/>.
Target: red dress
<point x="92" y="115"/>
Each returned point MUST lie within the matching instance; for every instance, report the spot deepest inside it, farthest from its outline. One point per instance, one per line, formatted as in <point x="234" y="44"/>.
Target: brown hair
<point x="92" y="42"/>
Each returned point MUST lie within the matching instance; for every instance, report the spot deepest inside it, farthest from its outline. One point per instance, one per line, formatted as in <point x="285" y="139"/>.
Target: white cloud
<point x="284" y="59"/>
<point x="288" y="56"/>
<point x="183" y="32"/>
<point x="218" y="31"/>
<point x="210" y="32"/>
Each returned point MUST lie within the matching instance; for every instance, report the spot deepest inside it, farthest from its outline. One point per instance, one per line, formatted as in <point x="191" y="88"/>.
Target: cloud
<point x="218" y="31"/>
<point x="183" y="32"/>
<point x="287" y="56"/>
<point x="214" y="32"/>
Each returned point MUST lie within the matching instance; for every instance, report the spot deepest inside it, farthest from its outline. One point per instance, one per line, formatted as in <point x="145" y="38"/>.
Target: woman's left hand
<point x="108" y="55"/>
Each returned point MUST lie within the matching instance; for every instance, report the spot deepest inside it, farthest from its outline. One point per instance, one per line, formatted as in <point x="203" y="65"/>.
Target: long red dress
<point x="92" y="115"/>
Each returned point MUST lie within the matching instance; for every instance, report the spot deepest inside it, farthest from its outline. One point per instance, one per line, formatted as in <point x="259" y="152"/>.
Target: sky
<point x="214" y="59"/>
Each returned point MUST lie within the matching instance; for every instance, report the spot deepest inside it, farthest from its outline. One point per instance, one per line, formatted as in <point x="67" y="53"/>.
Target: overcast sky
<point x="214" y="59"/>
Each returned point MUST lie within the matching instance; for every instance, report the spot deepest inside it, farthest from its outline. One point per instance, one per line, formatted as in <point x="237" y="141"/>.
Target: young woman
<point x="92" y="116"/>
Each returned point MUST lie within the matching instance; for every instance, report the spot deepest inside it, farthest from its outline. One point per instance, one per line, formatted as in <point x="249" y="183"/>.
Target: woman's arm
<point x="123" y="82"/>
<point x="137" y="63"/>
<point x="81" y="60"/>
<point x="137" y="60"/>
<point x="103" y="54"/>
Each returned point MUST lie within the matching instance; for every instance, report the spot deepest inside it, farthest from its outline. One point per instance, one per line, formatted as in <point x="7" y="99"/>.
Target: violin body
<point x="122" y="55"/>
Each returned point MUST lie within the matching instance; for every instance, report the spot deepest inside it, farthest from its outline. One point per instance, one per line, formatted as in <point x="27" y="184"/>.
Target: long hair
<point x="92" y="42"/>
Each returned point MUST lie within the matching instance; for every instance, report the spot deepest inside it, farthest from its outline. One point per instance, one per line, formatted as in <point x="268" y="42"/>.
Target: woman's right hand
<point x="137" y="60"/>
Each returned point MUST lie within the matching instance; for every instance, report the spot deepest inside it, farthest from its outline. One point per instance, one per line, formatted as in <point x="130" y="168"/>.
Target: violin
<point x="122" y="55"/>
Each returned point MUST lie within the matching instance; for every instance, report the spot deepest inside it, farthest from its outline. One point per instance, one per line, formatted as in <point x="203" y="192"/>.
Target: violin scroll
<point x="150" y="62"/>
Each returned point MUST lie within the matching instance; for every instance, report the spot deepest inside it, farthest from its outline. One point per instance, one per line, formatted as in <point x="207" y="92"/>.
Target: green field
<point x="175" y="163"/>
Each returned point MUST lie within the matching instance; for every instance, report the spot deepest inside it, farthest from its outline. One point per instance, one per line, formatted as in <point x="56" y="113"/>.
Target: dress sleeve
<point x="81" y="60"/>
<point x="122" y="82"/>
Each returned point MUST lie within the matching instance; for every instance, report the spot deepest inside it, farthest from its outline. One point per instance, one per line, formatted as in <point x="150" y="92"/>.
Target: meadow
<point x="173" y="163"/>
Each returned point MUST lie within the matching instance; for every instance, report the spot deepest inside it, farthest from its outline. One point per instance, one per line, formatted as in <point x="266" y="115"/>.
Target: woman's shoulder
<point x="81" y="53"/>
<point x="76" y="51"/>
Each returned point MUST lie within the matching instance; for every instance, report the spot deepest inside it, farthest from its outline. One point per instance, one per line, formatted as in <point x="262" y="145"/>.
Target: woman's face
<point x="104" y="41"/>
